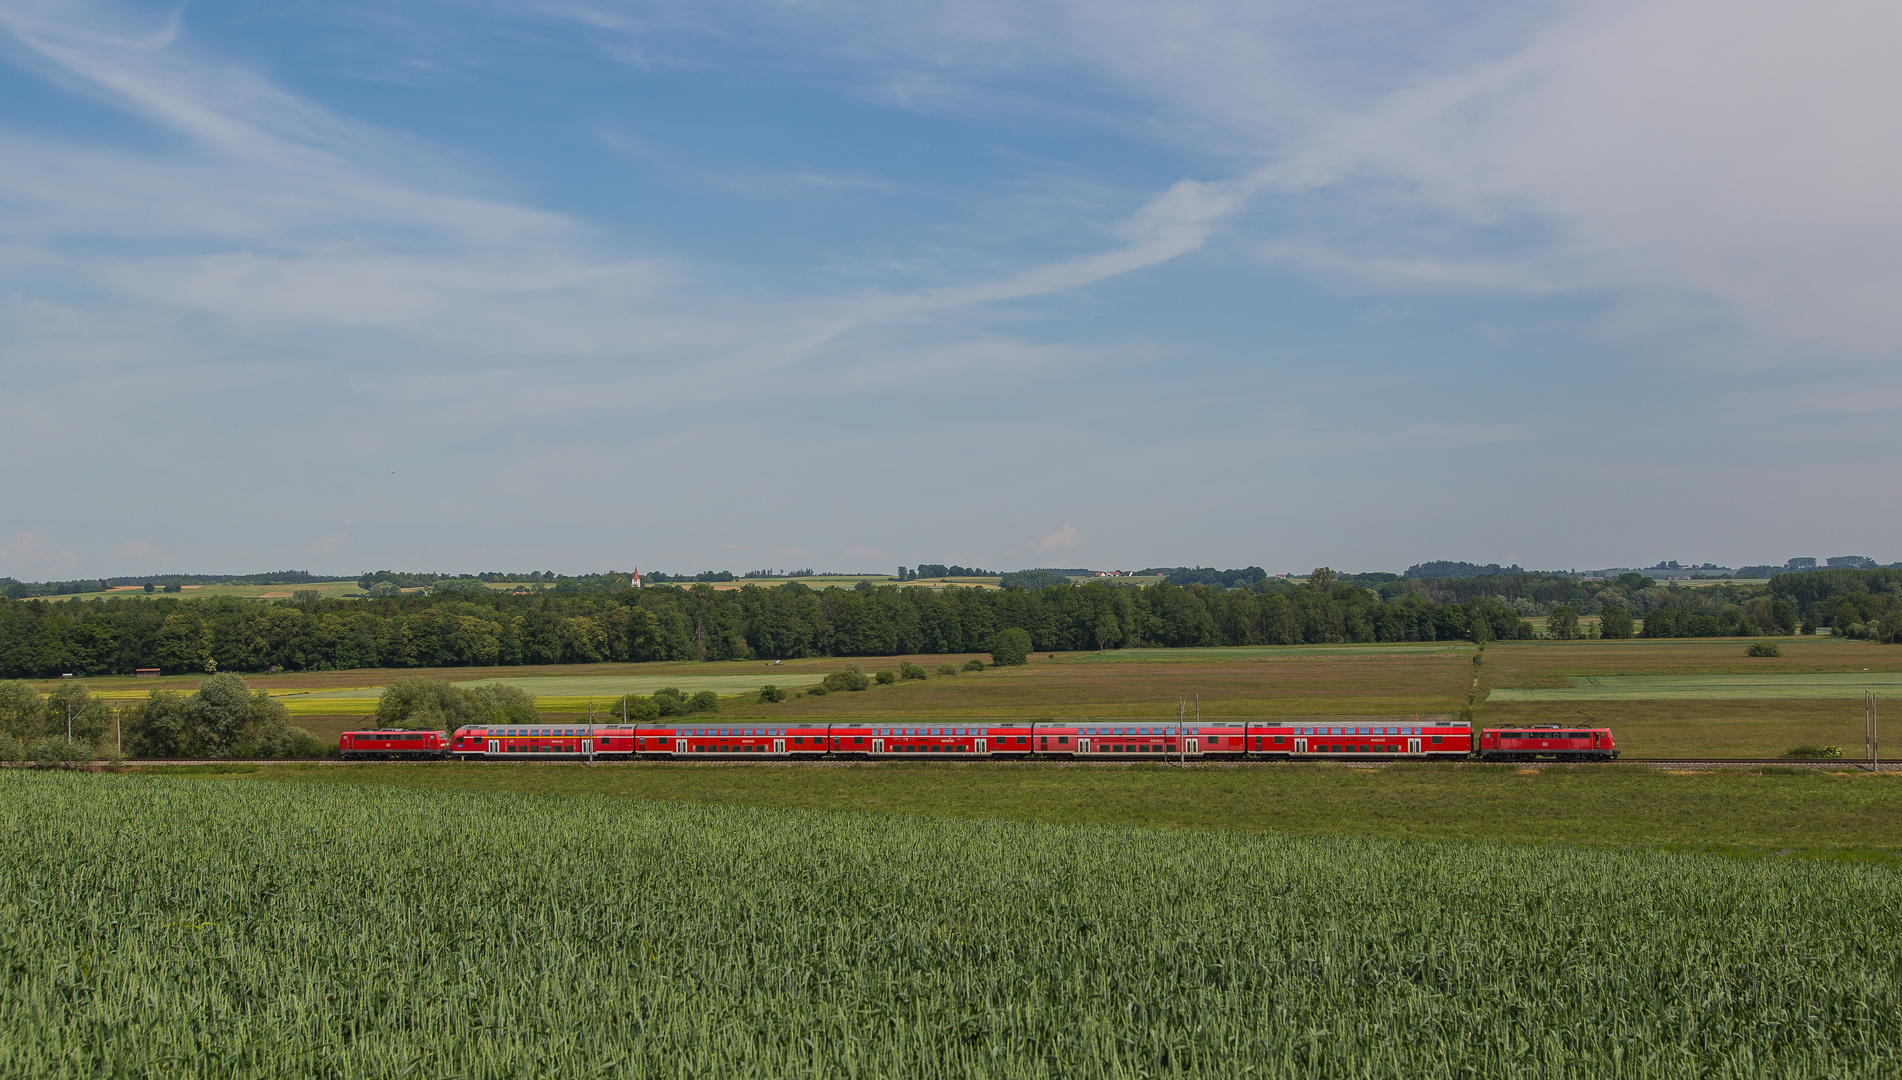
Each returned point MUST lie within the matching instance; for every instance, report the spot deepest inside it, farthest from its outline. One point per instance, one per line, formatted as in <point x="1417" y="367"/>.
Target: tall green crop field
<point x="196" y="926"/>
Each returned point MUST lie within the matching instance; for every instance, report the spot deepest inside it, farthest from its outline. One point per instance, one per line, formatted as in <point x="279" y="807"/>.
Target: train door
<point x="680" y="746"/>
<point x="779" y="746"/>
<point x="1413" y="746"/>
<point x="1082" y="746"/>
<point x="1301" y="746"/>
<point x="878" y="746"/>
<point x="495" y="746"/>
<point x="982" y="744"/>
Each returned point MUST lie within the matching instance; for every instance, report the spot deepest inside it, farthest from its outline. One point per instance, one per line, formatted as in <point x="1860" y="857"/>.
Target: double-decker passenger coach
<point x="1308" y="738"/>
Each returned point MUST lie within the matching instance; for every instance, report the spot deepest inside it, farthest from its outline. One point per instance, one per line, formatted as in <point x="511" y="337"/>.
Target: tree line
<point x="454" y="628"/>
<point x="475" y="627"/>
<point x="222" y="718"/>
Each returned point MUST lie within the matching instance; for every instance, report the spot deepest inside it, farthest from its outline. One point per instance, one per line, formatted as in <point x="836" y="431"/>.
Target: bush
<point x="425" y="704"/>
<point x="770" y="694"/>
<point x="974" y="665"/>
<point x="885" y="678"/>
<point x="1763" y="648"/>
<point x="11" y="749"/>
<point x="909" y="670"/>
<point x="55" y="750"/>
<point x="637" y="708"/>
<point x="849" y="679"/>
<point x="947" y="669"/>
<point x="505" y="704"/>
<point x="816" y="691"/>
<point x="704" y="701"/>
<point x="670" y="701"/>
<point x="1011" y="646"/>
<point x="1615" y="621"/>
<point x="1807" y="751"/>
<point x="302" y="744"/>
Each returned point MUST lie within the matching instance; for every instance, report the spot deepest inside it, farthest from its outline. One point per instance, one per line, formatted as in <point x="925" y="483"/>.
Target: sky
<point x="740" y="285"/>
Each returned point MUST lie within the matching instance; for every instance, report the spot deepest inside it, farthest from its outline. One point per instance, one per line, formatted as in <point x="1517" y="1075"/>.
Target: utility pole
<point x="1182" y="733"/>
<point x="69" y="720"/>
<point x="590" y="732"/>
<point x="1871" y="739"/>
<point x="118" y="738"/>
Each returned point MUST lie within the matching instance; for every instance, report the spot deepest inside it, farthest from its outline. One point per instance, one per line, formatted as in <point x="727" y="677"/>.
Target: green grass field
<point x="1806" y="811"/>
<point x="1711" y="687"/>
<point x="1675" y="698"/>
<point x="571" y="687"/>
<point x="166" y="926"/>
<point x="849" y="581"/>
<point x="331" y="590"/>
<point x="1231" y="654"/>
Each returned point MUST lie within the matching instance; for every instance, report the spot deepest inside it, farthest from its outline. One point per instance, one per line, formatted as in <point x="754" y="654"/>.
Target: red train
<point x="1111" y="740"/>
<point x="1547" y="740"/>
<point x="393" y="743"/>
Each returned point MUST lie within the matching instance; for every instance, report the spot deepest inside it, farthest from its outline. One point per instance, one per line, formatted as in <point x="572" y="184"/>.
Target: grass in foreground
<point x="1602" y="805"/>
<point x="167" y="925"/>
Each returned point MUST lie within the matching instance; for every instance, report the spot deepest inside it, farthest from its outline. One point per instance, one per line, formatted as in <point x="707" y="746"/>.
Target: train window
<point x="1436" y="740"/>
<point x="1063" y="740"/>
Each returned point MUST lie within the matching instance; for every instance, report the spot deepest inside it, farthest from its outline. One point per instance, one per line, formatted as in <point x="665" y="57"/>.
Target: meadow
<point x="1781" y="811"/>
<point x="161" y="925"/>
<point x="1811" y="684"/>
<point x="329" y="590"/>
<point x="1665" y="698"/>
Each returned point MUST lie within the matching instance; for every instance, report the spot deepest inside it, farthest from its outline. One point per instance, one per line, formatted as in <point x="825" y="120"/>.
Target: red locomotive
<point x="393" y="744"/>
<point x="1547" y="740"/>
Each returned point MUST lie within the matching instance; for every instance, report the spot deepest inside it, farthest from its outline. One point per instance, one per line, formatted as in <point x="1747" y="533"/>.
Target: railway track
<point x="1839" y="764"/>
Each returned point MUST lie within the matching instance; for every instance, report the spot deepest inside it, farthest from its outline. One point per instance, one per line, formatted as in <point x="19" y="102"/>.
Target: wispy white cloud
<point x="27" y="551"/>
<point x="1735" y="151"/>
<point x="1064" y="539"/>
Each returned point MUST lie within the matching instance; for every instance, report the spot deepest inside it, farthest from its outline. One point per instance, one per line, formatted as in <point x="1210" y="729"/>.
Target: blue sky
<point x="581" y="286"/>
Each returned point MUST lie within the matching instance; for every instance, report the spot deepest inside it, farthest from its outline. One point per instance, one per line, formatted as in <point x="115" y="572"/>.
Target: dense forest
<point x="453" y="625"/>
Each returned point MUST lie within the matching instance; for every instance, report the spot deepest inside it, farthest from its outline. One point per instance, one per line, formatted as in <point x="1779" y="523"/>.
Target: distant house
<point x="147" y="673"/>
